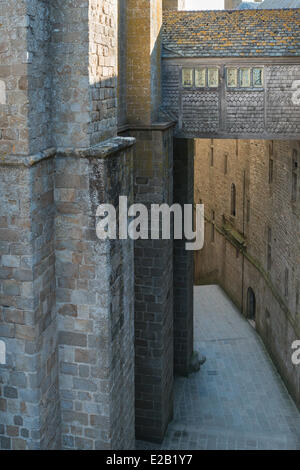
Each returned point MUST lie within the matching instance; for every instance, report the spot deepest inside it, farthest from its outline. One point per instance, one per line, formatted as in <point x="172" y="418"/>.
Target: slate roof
<point x="271" y="4"/>
<point x="235" y="33"/>
<point x="248" y="6"/>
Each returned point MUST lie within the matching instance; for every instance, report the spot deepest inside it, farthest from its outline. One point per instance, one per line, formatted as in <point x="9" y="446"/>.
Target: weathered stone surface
<point x="262" y="172"/>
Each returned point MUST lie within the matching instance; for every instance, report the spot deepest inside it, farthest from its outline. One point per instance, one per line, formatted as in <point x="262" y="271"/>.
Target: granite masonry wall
<point x="183" y="261"/>
<point x="173" y="4"/>
<point x="153" y="272"/>
<point x="95" y="303"/>
<point x="30" y="408"/>
<point x="67" y="305"/>
<point x="258" y="248"/>
<point x="222" y="112"/>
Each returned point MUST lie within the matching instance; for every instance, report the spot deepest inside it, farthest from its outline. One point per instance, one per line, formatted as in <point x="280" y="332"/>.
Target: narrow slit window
<point x="269" y="250"/>
<point x="248" y="210"/>
<point x="2" y="352"/>
<point x="212" y="226"/>
<point x="271" y="170"/>
<point x="233" y="200"/>
<point x="286" y="282"/>
<point x="225" y="164"/>
<point x="295" y="177"/>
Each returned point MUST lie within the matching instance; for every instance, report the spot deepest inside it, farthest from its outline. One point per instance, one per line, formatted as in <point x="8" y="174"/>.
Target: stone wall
<point x="66" y="298"/>
<point x="225" y="112"/>
<point x="84" y="59"/>
<point x="95" y="303"/>
<point x="23" y="74"/>
<point x="173" y="4"/>
<point x="67" y="325"/>
<point x="183" y="261"/>
<point x="144" y="19"/>
<point x="153" y="184"/>
<point x="236" y="247"/>
<point x="122" y="63"/>
<point x="30" y="408"/>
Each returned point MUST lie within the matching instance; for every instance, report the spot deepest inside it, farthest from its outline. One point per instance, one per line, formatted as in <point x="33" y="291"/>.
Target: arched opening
<point x="233" y="200"/>
<point x="251" y="305"/>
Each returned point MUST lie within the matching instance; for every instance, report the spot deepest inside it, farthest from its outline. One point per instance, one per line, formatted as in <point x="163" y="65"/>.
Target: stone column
<point x="144" y="22"/>
<point x="173" y="4"/>
<point x="183" y="260"/>
<point x="153" y="183"/>
<point x="95" y="300"/>
<point x="29" y="401"/>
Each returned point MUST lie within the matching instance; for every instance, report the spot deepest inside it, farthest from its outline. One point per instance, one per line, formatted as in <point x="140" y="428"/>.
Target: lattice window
<point x="187" y="77"/>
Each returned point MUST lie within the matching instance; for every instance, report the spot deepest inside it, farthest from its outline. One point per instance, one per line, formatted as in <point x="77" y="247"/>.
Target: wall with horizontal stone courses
<point x="24" y="51"/>
<point x="39" y="74"/>
<point x="183" y="261"/>
<point x="84" y="58"/>
<point x="153" y="267"/>
<point x="264" y="113"/>
<point x="95" y="303"/>
<point x="122" y="63"/>
<point x="30" y="411"/>
<point x="144" y="20"/>
<point x="13" y="75"/>
<point x="173" y="4"/>
<point x="260" y="205"/>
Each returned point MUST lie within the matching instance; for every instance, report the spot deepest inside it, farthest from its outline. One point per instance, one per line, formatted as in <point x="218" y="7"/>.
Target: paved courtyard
<point x="237" y="400"/>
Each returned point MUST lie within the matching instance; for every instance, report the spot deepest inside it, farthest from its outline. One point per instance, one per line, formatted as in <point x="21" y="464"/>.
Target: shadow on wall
<point x="69" y="106"/>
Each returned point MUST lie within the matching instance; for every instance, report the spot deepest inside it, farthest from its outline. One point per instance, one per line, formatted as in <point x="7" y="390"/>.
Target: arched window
<point x="251" y="304"/>
<point x="233" y="200"/>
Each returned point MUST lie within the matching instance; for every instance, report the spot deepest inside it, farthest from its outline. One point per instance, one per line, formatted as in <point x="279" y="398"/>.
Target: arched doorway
<point x="251" y="305"/>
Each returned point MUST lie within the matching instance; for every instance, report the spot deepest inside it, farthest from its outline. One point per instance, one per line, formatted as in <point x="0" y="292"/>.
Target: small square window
<point x="232" y="77"/>
<point x="200" y="78"/>
<point x="245" y="80"/>
<point x="258" y="77"/>
<point x="187" y="77"/>
<point x="213" y="78"/>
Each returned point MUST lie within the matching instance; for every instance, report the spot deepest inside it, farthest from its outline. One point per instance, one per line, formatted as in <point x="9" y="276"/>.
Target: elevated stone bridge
<point x="232" y="74"/>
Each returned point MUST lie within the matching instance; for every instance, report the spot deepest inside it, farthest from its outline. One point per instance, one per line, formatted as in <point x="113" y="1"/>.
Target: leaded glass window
<point x="213" y="77"/>
<point x="245" y="77"/>
<point x="200" y="77"/>
<point x="187" y="77"/>
<point x="258" y="77"/>
<point x="232" y="77"/>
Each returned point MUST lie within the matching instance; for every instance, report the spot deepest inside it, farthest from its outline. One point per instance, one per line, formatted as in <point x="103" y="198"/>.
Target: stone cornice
<point x="102" y="150"/>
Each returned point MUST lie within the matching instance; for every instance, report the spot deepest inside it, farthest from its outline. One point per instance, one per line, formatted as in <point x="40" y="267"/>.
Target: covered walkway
<point x="237" y="400"/>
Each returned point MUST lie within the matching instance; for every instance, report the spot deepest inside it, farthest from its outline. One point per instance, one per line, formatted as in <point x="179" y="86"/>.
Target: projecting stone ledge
<point x="102" y="150"/>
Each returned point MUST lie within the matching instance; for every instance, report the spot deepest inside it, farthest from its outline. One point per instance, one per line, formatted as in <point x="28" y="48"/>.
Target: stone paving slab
<point x="237" y="400"/>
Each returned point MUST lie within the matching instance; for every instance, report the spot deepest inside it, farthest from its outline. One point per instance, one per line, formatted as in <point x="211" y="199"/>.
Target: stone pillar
<point x="95" y="300"/>
<point x="231" y="4"/>
<point x="144" y="22"/>
<point x="29" y="401"/>
<point x="173" y="5"/>
<point x="183" y="260"/>
<point x="153" y="183"/>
